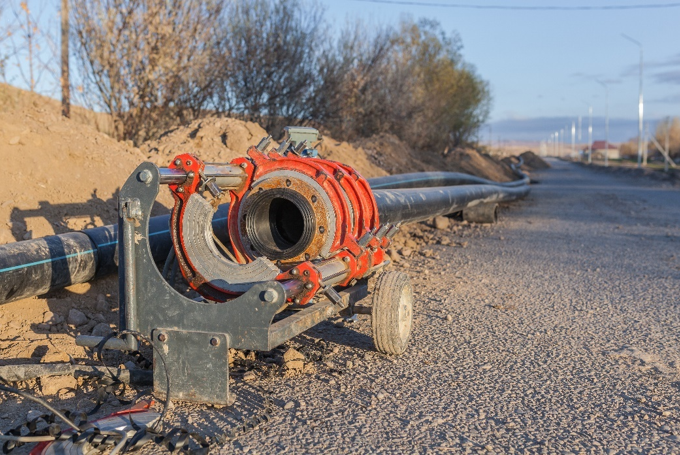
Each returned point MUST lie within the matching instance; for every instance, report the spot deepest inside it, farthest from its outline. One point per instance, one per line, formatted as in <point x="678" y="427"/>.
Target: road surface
<point x="555" y="331"/>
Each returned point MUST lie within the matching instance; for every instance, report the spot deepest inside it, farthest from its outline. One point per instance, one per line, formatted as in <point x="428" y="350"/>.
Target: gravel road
<point x="556" y="331"/>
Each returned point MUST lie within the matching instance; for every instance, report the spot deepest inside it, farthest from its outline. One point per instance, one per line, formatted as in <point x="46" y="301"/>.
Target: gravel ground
<point x="554" y="331"/>
<point x="562" y="336"/>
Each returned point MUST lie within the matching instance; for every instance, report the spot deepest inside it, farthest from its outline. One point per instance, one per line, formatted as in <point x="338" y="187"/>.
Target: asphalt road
<point x="562" y="336"/>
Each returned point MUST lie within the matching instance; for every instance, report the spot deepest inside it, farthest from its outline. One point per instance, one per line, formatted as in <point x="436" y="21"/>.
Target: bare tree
<point x="669" y="130"/>
<point x="270" y="49"/>
<point x="65" y="80"/>
<point x="147" y="62"/>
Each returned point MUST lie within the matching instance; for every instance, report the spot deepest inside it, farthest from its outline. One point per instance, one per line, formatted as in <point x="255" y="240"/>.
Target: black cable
<point x="42" y="402"/>
<point x="526" y="8"/>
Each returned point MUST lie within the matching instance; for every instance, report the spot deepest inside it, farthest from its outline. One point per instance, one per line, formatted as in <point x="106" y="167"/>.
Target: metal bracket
<point x="197" y="363"/>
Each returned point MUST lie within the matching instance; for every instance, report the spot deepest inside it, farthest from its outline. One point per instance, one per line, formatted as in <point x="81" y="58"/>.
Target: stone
<point x="77" y="317"/>
<point x="449" y="318"/>
<point x="249" y="376"/>
<point x="15" y="140"/>
<point x="130" y="365"/>
<point x="99" y="318"/>
<point x="54" y="384"/>
<point x="101" y="330"/>
<point x="406" y="252"/>
<point x="293" y="360"/>
<point x="393" y="255"/>
<point x="102" y="305"/>
<point x="28" y="235"/>
<point x="380" y="396"/>
<point x="289" y="405"/>
<point x="411" y="244"/>
<point x="441" y="222"/>
<point x="54" y="356"/>
<point x="43" y="326"/>
<point x="34" y="414"/>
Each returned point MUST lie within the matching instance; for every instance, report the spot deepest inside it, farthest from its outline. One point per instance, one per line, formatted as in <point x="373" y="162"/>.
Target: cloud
<point x="668" y="77"/>
<point x="664" y="77"/>
<point x="539" y="128"/>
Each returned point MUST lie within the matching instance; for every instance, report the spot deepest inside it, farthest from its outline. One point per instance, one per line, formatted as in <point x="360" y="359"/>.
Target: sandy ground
<point x="555" y="331"/>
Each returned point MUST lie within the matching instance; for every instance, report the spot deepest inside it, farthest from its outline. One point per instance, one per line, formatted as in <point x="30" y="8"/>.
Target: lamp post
<point x="606" y="122"/>
<point x="590" y="134"/>
<point x="640" y="102"/>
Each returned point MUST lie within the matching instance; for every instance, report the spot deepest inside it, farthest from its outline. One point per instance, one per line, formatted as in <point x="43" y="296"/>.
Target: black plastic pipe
<point x="34" y="267"/>
<point x="434" y="179"/>
<point x="418" y="204"/>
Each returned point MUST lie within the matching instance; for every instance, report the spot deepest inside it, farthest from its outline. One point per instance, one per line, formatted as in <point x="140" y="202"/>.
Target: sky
<point x="542" y="66"/>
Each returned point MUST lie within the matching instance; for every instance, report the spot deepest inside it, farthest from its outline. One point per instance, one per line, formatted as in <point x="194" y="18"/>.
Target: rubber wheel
<point x="392" y="312"/>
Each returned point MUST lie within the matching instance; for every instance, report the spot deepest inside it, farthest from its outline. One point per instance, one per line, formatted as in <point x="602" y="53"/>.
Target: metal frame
<point x="195" y="336"/>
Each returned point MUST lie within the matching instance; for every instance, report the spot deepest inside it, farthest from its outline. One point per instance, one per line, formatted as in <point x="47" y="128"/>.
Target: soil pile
<point x="62" y="175"/>
<point x="223" y="139"/>
<point x="390" y="153"/>
<point x="533" y="162"/>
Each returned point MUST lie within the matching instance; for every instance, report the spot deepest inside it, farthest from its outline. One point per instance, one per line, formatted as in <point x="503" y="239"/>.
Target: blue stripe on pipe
<point x="45" y="261"/>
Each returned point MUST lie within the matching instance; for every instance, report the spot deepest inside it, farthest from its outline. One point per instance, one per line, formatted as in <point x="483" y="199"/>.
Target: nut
<point x="214" y="341"/>
<point x="145" y="176"/>
<point x="270" y="295"/>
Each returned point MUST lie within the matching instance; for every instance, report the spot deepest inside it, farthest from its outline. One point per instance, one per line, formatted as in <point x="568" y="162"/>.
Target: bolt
<point x="345" y="259"/>
<point x="296" y="301"/>
<point x="314" y="198"/>
<point x="180" y="189"/>
<point x="214" y="341"/>
<point x="309" y="286"/>
<point x="178" y="162"/>
<point x="243" y="165"/>
<point x="188" y="162"/>
<point x="306" y="273"/>
<point x="288" y="182"/>
<point x="322" y="229"/>
<point x="294" y="272"/>
<point x="145" y="176"/>
<point x="270" y="295"/>
<point x="162" y="337"/>
<point x="191" y="174"/>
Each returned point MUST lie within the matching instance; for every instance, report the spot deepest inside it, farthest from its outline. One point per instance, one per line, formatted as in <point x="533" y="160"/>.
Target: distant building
<point x="599" y="149"/>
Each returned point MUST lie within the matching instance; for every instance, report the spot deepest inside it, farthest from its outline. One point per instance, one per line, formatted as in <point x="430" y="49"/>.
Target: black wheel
<point x="392" y="312"/>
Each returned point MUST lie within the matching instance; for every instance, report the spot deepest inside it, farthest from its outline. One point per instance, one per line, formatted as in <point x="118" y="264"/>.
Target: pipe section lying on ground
<point x="34" y="267"/>
<point x="418" y="204"/>
<point x="434" y="179"/>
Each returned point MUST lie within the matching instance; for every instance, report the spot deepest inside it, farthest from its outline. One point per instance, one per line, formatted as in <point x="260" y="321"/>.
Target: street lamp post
<point x="606" y="122"/>
<point x="640" y="102"/>
<point x="590" y="134"/>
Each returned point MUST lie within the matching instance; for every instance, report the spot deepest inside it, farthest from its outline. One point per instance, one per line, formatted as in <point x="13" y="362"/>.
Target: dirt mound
<point x="63" y="175"/>
<point x="390" y="153"/>
<point x="223" y="139"/>
<point x="533" y="162"/>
